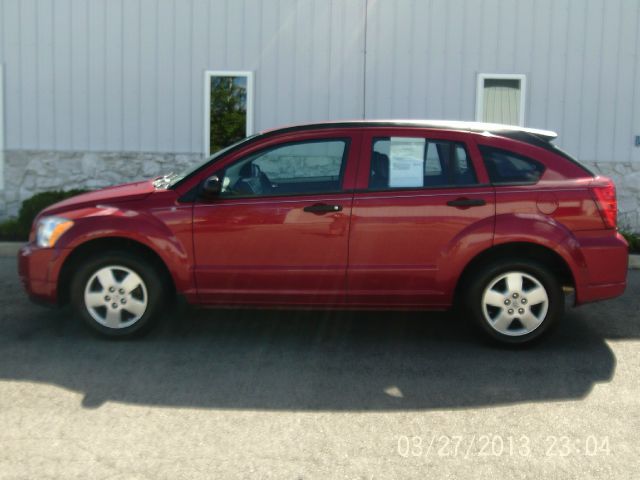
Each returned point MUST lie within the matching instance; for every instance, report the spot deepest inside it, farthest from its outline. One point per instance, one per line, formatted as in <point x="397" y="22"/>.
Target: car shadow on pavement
<point x="283" y="360"/>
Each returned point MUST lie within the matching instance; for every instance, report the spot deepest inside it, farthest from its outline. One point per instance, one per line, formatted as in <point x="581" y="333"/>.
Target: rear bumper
<point x="38" y="271"/>
<point x="605" y="265"/>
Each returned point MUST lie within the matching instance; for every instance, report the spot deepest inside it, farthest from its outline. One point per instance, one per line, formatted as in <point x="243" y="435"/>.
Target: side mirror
<point x="212" y="186"/>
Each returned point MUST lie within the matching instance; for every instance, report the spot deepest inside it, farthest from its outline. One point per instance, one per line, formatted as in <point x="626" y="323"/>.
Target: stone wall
<point x="28" y="172"/>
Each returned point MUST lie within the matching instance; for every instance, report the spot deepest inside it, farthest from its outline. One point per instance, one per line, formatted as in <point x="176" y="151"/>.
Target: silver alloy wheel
<point x="116" y="297"/>
<point x="515" y="303"/>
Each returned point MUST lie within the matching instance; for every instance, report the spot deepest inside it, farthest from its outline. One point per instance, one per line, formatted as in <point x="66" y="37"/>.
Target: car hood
<point x="106" y="196"/>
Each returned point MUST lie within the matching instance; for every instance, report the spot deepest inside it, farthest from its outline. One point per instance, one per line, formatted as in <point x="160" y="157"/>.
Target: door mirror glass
<point x="212" y="186"/>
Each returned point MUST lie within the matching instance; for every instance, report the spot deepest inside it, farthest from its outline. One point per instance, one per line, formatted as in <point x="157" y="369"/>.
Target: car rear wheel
<point x="515" y="302"/>
<point x="117" y="293"/>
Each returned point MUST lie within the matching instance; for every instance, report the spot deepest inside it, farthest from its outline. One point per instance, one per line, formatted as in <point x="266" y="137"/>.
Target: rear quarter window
<point x="505" y="167"/>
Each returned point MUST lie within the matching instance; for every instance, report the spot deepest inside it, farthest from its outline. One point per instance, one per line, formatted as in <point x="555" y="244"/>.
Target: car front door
<point x="422" y="206"/>
<point x="278" y="232"/>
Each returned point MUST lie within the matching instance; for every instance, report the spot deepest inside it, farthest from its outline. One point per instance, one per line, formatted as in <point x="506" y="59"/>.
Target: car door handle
<point x="466" y="202"/>
<point x="323" y="208"/>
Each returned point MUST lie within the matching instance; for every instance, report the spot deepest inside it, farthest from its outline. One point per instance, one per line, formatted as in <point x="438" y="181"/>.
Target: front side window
<point x="506" y="167"/>
<point x="294" y="168"/>
<point x="407" y="162"/>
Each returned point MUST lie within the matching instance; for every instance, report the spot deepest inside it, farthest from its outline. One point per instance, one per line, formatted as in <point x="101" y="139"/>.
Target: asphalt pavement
<point x="225" y="394"/>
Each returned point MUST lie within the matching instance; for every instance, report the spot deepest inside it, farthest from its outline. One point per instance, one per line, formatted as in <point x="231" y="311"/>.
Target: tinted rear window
<point x="508" y="167"/>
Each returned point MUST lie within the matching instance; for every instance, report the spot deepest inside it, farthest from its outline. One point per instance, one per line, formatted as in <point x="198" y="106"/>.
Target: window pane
<point x="228" y="119"/>
<point x="294" y="168"/>
<point x="501" y="101"/>
<point x="508" y="167"/>
<point x="416" y="162"/>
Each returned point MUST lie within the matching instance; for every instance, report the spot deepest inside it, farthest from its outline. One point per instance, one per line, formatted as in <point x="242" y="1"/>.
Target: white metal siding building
<point x="103" y="91"/>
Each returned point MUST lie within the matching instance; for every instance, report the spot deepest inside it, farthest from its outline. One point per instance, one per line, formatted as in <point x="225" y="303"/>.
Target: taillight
<point x="604" y="193"/>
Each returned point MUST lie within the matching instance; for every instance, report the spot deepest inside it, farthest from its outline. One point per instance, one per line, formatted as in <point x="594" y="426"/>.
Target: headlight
<point x="50" y="229"/>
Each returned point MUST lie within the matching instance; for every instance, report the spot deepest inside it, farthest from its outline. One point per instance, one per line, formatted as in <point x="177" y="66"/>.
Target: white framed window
<point x="500" y="98"/>
<point x="228" y="108"/>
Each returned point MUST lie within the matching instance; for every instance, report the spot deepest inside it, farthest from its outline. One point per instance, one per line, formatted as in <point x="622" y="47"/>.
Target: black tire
<point x="482" y="278"/>
<point x="155" y="292"/>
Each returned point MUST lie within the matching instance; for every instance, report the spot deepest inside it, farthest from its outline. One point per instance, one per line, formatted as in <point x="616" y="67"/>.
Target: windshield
<point x="172" y="179"/>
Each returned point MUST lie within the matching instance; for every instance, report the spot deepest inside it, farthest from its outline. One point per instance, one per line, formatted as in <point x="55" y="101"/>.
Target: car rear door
<point x="278" y="233"/>
<point x="422" y="206"/>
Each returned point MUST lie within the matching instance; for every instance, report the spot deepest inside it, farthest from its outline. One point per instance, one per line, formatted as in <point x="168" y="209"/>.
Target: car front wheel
<point x="117" y="294"/>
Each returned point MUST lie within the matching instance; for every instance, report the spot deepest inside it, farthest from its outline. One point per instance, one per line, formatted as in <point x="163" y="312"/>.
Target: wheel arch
<point x="102" y="244"/>
<point x="525" y="250"/>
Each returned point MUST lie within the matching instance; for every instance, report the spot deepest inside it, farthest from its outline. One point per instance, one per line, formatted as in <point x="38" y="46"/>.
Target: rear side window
<point x="414" y="162"/>
<point x="508" y="167"/>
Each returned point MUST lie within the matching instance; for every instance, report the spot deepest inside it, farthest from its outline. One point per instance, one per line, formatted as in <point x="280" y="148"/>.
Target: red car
<point x="351" y="215"/>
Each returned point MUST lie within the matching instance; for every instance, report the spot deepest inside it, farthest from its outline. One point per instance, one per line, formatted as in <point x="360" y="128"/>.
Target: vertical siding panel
<point x="570" y="131"/>
<point x="320" y="68"/>
<point x="266" y="85"/>
<point x="591" y="79"/>
<point x="254" y="50"/>
<point x="284" y="108"/>
<point x="113" y="89"/>
<point x="131" y="75"/>
<point x="80" y="75"/>
<point x="453" y="64"/>
<point x="339" y="31"/>
<point x="628" y="51"/>
<point x="471" y="48"/>
<point x="402" y="58"/>
<point x="218" y="34"/>
<point x="165" y="39"/>
<point x="372" y="48"/>
<point x="28" y="74"/>
<point x="557" y="61"/>
<point x="235" y="35"/>
<point x="353" y="63"/>
<point x="252" y="31"/>
<point x="417" y="92"/>
<point x="437" y="39"/>
<point x="506" y="34"/>
<point x="397" y="58"/>
<point x="97" y="76"/>
<point x="523" y="36"/>
<point x="537" y="81"/>
<point x="2" y="49"/>
<point x="635" y="96"/>
<point x="12" y="58"/>
<point x="606" y="112"/>
<point x="490" y="40"/>
<point x="300" y="87"/>
<point x="63" y="88"/>
<point x="45" y="96"/>
<point x="182" y="77"/>
<point x="148" y="75"/>
<point x="199" y="63"/>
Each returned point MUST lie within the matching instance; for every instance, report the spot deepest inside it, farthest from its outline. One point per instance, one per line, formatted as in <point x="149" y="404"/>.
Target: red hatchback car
<point x="351" y="215"/>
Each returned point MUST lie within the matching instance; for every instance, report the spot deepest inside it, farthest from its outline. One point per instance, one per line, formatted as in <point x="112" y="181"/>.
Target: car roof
<point x="530" y="135"/>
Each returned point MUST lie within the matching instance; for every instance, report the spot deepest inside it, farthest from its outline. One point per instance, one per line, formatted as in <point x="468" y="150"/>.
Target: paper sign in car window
<point x="406" y="162"/>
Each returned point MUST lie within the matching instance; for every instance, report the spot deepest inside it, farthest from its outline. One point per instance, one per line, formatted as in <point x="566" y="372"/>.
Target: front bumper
<point x="38" y="269"/>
